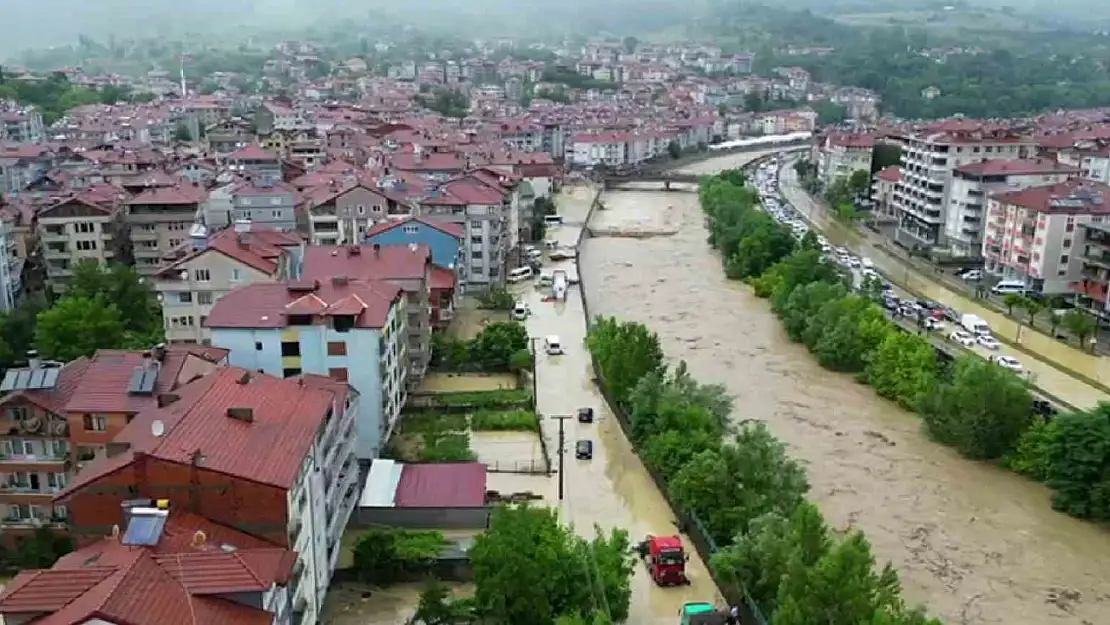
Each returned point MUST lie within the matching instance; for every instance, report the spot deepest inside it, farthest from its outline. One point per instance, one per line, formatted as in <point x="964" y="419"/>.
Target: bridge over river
<point x="625" y="182"/>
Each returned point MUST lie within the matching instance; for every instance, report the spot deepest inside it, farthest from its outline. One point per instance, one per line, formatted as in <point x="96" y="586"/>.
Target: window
<point x="343" y="323"/>
<point x="86" y="246"/>
<point x="338" y="373"/>
<point x="23" y="448"/>
<point x="300" y="320"/>
<point x="236" y="275"/>
<point x="337" y="348"/>
<point x="1064" y="259"/>
<point x="204" y="297"/>
<point x="288" y="373"/>
<point x="95" y="423"/>
<point x="361" y="209"/>
<point x="56" y="480"/>
<point x="276" y="201"/>
<point x="410" y="229"/>
<point x="290" y="348"/>
<point x="60" y="512"/>
<point x="1067" y="242"/>
<point x="18" y="413"/>
<point x="84" y="227"/>
<point x="201" y="275"/>
<point x="258" y="346"/>
<point x="185" y="297"/>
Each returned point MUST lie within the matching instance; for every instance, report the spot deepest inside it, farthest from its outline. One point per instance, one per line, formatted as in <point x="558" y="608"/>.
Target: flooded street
<point x="1043" y="374"/>
<point x="613" y="489"/>
<point x="976" y="544"/>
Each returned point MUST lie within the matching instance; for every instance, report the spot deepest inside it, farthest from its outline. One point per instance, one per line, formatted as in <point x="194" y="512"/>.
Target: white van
<point x="552" y="346"/>
<point x="520" y="274"/>
<point x="552" y="220"/>
<point x="975" y="325"/>
<point x="520" y="311"/>
<point x="1010" y="286"/>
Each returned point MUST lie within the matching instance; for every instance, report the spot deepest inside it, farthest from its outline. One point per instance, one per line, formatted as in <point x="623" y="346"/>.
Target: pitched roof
<point x="268" y="305"/>
<point x="153" y="585"/>
<point x="453" y="229"/>
<point x="366" y="262"/>
<point x="253" y="152"/>
<point x="1074" y="197"/>
<point x="269" y="448"/>
<point x="1015" y="167"/>
<point x="447" y="485"/>
<point x="54" y="399"/>
<point x="104" y="383"/>
<point x="260" y="249"/>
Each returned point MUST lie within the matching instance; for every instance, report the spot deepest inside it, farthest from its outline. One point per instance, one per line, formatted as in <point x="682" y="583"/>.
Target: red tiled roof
<point x="998" y="167"/>
<point x="453" y="229"/>
<point x="103" y="386"/>
<point x="253" y="153"/>
<point x="1074" y="197"/>
<point x="366" y="262"/>
<point x="443" y="278"/>
<point x="890" y="173"/>
<point x="176" y="195"/>
<point x="269" y="449"/>
<point x="851" y="141"/>
<point x="268" y="305"/>
<point x="259" y="248"/>
<point x="467" y="191"/>
<point x="442" y="485"/>
<point x="54" y="399"/>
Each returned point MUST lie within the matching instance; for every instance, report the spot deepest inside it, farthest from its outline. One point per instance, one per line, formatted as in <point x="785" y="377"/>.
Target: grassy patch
<point x="421" y="422"/>
<point x="506" y="420"/>
<point x="505" y="398"/>
<point x="446" y="447"/>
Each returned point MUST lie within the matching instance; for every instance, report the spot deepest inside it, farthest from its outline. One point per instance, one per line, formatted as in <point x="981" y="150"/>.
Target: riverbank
<point x="975" y="544"/>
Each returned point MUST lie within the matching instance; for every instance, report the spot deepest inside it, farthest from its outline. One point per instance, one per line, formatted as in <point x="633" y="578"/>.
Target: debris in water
<point x="1064" y="598"/>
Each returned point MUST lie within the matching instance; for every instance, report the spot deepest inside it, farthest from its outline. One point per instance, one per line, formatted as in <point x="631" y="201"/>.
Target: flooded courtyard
<point x="976" y="544"/>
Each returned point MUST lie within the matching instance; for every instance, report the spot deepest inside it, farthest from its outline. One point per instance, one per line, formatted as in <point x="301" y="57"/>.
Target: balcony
<point x="50" y="236"/>
<point x="54" y="522"/>
<point x="25" y="488"/>
<point x="43" y="459"/>
<point x="1098" y="258"/>
<point x="1090" y="288"/>
<point x="446" y="313"/>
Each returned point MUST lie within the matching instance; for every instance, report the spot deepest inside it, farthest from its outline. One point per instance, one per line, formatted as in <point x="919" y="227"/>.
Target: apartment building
<point x="486" y="214"/>
<point x="882" y="191"/>
<point x="266" y="203"/>
<point x="215" y="264"/>
<point x="341" y="211"/>
<point x="21" y="164"/>
<point x="406" y="266"/>
<point x="972" y="183"/>
<point x="840" y="154"/>
<point x="79" y="227"/>
<point x="159" y="221"/>
<point x="56" y="418"/>
<point x="269" y="461"/>
<point x="21" y="125"/>
<point x="929" y="157"/>
<point x="1090" y="157"/>
<point x="11" y="265"/>
<point x="1091" y="289"/>
<point x="1035" y="234"/>
<point x="198" y="570"/>
<point x="350" y="330"/>
<point x="256" y="164"/>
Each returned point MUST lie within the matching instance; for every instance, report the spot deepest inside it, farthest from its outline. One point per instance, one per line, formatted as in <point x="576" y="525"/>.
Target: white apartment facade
<point x="1091" y="158"/>
<point x="73" y="230"/>
<point x="928" y="160"/>
<point x="972" y="184"/>
<point x="841" y="154"/>
<point x="1036" y="234"/>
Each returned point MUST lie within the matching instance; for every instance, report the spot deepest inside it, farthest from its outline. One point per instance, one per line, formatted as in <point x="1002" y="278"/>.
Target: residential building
<point x="444" y="296"/>
<point x="22" y="164"/>
<point x="160" y="219"/>
<point x="442" y="238"/>
<point x="266" y="203"/>
<point x="406" y="266"/>
<point x="1091" y="158"/>
<point x="609" y="149"/>
<point x="352" y="331"/>
<point x="928" y="159"/>
<point x="973" y="182"/>
<point x="341" y="211"/>
<point x="256" y="164"/>
<point x="11" y="266"/>
<point x="186" y="570"/>
<point x="882" y="191"/>
<point x="270" y="458"/>
<point x="215" y="264"/>
<point x="56" y="418"/>
<point x="484" y="212"/>
<point x="1091" y="287"/>
<point x="79" y="227"/>
<point x="841" y="154"/>
<point x="1035" y="234"/>
<point x="21" y="125"/>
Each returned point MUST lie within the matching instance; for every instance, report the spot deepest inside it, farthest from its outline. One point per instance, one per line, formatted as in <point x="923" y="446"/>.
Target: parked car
<point x="586" y="415"/>
<point x="963" y="338"/>
<point x="584" y="449"/>
<point x="989" y="342"/>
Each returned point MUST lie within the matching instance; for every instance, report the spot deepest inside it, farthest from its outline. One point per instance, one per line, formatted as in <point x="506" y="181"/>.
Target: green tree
<point x="181" y="133"/>
<point x="496" y="344"/>
<point x="630" y="44"/>
<point x="859" y="183"/>
<point x="1031" y="455"/>
<point x="674" y="150"/>
<point x="746" y="478"/>
<point x="436" y="608"/>
<point x="982" y="410"/>
<point x="383" y="554"/>
<point x="1032" y="309"/>
<point x="625" y="352"/>
<point x="844" y="333"/>
<point x="120" y="285"/>
<point x="78" y="326"/>
<point x="1012" y="301"/>
<point x="829" y="113"/>
<point x="903" y="368"/>
<point x="1078" y="457"/>
<point x="803" y="304"/>
<point x="1081" y="325"/>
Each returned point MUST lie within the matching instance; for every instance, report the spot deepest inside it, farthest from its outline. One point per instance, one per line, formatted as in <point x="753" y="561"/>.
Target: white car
<point x="989" y="342"/>
<point x="963" y="338"/>
<point x="935" y="324"/>
<point x="1007" y="362"/>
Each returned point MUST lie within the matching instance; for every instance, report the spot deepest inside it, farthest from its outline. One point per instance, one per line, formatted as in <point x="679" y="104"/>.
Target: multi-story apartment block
<point x="841" y="154"/>
<point x="160" y="219"/>
<point x="342" y="211"/>
<point x="21" y="125"/>
<point x="1093" y="285"/>
<point x="11" y="265"/>
<point x="971" y="184"/>
<point x="406" y="266"/>
<point x="928" y="160"/>
<point x="56" y="418"/>
<point x="882" y="191"/>
<point x="521" y="136"/>
<point x="21" y="164"/>
<point x="214" y="265"/>
<point x="79" y="227"/>
<point x="1036" y="234"/>
<point x="266" y="203"/>
<point x="1091" y="158"/>
<point x="257" y="468"/>
<point x="485" y="213"/>
<point x="352" y="331"/>
<point x="256" y="164"/>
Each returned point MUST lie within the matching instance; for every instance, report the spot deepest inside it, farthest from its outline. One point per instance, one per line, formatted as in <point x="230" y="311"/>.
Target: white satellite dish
<point x="157" y="428"/>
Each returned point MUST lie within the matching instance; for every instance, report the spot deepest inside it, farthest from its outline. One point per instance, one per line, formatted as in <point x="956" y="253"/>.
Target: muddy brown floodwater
<point x="975" y="544"/>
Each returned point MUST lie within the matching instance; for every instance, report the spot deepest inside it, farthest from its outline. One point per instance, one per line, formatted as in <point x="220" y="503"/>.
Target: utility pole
<point x="562" y="449"/>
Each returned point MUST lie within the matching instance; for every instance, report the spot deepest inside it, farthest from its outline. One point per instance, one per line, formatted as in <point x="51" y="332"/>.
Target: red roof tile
<point x="55" y="399"/>
<point x="1074" y="197"/>
<point x="446" y="485"/>
<point x="103" y="386"/>
<point x="891" y="173"/>
<point x="268" y="305"/>
<point x="453" y="229"/>
<point x="366" y="262"/>
<point x="259" y="248"/>
<point x="443" y="278"/>
<point x="171" y="196"/>
<point x="253" y="153"/>
<point x="1017" y="167"/>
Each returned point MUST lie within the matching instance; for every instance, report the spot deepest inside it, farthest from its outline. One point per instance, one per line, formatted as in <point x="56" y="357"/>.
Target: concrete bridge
<point x="664" y="179"/>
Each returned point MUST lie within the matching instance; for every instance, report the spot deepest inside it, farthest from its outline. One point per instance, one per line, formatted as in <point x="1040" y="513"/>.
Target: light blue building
<point x="350" y="330"/>
<point x="443" y="238"/>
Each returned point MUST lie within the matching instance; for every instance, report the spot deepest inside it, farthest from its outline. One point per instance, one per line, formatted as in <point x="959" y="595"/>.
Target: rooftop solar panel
<point x="144" y="528"/>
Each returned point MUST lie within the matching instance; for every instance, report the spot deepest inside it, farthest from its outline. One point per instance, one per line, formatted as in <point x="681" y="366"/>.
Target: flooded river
<point x="976" y="544"/>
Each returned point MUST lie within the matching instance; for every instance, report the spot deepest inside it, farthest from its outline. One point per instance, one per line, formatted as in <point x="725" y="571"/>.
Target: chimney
<point x="354" y="250"/>
<point x="339" y="280"/>
<point x="160" y="352"/>
<point x="33" y="360"/>
<point x="148" y="360"/>
<point x="243" y="414"/>
<point x="377" y="249"/>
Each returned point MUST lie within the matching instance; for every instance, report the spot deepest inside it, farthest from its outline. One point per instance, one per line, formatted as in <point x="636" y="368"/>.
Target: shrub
<point x="521" y="420"/>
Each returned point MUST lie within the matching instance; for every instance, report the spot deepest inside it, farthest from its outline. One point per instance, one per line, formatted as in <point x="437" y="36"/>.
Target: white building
<point x="841" y="154"/>
<point x="1090" y="157"/>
